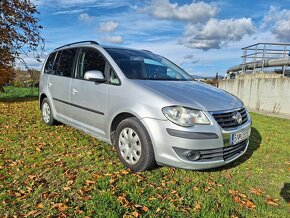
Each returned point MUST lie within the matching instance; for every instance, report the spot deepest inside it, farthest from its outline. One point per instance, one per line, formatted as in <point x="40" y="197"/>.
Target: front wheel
<point x="134" y="146"/>
<point x="47" y="113"/>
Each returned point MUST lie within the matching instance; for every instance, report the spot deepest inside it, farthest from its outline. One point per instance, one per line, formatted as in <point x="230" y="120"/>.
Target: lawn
<point x="15" y="93"/>
<point x="59" y="171"/>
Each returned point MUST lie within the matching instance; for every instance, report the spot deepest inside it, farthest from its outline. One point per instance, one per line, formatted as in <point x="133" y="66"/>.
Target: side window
<point x="49" y="63"/>
<point x="56" y="62"/>
<point x="113" y="77"/>
<point x="90" y="59"/>
<point x="65" y="64"/>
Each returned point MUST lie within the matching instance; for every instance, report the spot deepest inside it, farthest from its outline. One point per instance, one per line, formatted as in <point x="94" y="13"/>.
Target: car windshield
<point x="144" y="65"/>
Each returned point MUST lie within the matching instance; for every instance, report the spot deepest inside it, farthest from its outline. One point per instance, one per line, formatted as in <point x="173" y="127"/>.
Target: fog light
<point x="193" y="155"/>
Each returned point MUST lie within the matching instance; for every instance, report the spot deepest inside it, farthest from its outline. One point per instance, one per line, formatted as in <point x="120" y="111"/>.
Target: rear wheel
<point x="134" y="146"/>
<point x="47" y="113"/>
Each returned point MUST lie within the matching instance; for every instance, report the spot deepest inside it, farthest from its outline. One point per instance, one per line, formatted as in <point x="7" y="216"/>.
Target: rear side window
<point x="49" y="63"/>
<point x="65" y="64"/>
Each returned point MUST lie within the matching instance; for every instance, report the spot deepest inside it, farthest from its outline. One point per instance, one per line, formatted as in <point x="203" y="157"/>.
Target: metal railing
<point x="259" y="53"/>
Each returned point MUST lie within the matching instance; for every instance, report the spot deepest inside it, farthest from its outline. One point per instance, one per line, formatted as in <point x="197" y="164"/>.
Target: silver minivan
<point x="145" y="105"/>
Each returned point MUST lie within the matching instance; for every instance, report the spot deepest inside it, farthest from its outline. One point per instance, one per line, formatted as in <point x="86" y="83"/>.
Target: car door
<point x="89" y="99"/>
<point x="59" y="81"/>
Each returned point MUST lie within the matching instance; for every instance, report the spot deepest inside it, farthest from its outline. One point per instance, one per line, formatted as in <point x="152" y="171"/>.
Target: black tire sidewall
<point x="147" y="159"/>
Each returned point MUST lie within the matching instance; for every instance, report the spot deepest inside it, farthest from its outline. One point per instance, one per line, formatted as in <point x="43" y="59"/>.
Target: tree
<point x="19" y="35"/>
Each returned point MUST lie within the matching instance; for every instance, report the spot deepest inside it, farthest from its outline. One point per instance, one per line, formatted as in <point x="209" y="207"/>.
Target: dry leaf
<point x="66" y="188"/>
<point x="30" y="213"/>
<point x="145" y="209"/>
<point x="271" y="201"/>
<point x="90" y="182"/>
<point x="125" y="172"/>
<point x="61" y="207"/>
<point x="135" y="214"/>
<point x="197" y="207"/>
<point x="256" y="191"/>
<point x="242" y="195"/>
<point x="40" y="206"/>
<point x="96" y="175"/>
<point x="249" y="204"/>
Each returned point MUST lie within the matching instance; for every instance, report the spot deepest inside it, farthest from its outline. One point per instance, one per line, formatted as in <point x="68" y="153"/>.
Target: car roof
<point x="94" y="43"/>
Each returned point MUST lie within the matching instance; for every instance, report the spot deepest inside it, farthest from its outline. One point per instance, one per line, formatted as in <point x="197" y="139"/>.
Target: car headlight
<point x="185" y="116"/>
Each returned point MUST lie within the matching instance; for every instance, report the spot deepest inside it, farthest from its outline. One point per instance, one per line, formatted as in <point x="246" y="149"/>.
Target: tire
<point x="46" y="113"/>
<point x="134" y="146"/>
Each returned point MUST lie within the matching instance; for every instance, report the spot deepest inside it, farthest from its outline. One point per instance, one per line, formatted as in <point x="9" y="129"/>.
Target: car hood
<point x="194" y="94"/>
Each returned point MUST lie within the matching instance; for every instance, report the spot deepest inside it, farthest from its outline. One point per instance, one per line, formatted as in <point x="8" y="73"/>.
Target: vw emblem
<point x="238" y="117"/>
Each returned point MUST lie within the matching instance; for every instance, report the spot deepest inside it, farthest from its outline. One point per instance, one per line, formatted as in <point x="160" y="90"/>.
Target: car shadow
<point x="255" y="141"/>
<point x="19" y="99"/>
<point x="285" y="192"/>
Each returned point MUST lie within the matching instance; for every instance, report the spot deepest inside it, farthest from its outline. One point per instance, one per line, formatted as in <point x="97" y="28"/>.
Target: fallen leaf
<point x="40" y="206"/>
<point x="90" y="182"/>
<point x="96" y="175"/>
<point x="271" y="201"/>
<point x="61" y="207"/>
<point x="242" y="195"/>
<point x="70" y="182"/>
<point x="163" y="183"/>
<point x="197" y="207"/>
<point x="237" y="199"/>
<point x="135" y="214"/>
<point x="233" y="192"/>
<point x="125" y="172"/>
<point x="256" y="191"/>
<point x="249" y="204"/>
<point x="30" y="213"/>
<point x="207" y="189"/>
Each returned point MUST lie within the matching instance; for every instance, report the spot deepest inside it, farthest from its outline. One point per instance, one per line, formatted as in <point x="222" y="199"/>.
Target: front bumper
<point x="172" y="143"/>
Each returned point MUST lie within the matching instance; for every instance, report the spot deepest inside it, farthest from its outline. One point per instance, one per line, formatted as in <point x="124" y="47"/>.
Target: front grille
<point x="226" y="120"/>
<point x="224" y="153"/>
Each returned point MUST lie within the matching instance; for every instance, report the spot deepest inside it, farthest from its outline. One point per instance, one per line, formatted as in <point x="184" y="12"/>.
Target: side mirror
<point x="95" y="75"/>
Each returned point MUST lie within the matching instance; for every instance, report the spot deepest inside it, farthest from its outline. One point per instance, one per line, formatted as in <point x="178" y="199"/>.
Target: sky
<point x="203" y="37"/>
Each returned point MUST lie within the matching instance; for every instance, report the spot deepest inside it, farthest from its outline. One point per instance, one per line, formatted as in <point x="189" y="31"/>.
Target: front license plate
<point x="240" y="136"/>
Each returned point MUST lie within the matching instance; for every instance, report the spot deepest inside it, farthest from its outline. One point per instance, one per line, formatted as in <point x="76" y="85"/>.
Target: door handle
<point x="74" y="91"/>
<point x="49" y="84"/>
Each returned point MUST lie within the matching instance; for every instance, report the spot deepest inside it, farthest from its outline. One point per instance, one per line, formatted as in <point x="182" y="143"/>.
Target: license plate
<point x="240" y="136"/>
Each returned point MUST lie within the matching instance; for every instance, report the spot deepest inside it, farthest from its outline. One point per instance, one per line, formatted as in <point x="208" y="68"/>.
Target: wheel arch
<point x="115" y="122"/>
<point x="42" y="96"/>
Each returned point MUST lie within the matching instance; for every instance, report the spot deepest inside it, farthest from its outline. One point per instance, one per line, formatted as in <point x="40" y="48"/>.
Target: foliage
<point x="11" y="93"/>
<point x="59" y="171"/>
<point x="28" y="78"/>
<point x="19" y="34"/>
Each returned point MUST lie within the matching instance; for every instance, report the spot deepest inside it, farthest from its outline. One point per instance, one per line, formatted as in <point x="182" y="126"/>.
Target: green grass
<point x="58" y="171"/>
<point x="16" y="93"/>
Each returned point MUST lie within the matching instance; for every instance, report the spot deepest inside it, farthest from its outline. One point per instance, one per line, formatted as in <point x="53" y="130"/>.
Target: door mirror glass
<point x="94" y="75"/>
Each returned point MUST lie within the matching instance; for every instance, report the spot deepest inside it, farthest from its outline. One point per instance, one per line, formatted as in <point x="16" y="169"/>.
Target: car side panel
<point x="89" y="104"/>
<point x="58" y="88"/>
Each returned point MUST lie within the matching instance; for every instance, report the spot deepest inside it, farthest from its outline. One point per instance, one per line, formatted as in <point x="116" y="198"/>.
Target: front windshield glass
<point x="145" y="65"/>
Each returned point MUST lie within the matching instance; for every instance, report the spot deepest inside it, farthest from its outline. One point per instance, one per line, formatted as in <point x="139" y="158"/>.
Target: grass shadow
<point x="19" y="99"/>
<point x="255" y="141"/>
<point x="285" y="192"/>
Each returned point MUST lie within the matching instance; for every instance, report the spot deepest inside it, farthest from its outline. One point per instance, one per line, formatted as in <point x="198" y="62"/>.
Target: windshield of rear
<point x="145" y="65"/>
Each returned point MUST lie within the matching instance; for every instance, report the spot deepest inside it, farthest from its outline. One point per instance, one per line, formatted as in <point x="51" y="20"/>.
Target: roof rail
<point x="80" y="42"/>
<point x="146" y="50"/>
